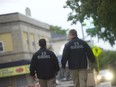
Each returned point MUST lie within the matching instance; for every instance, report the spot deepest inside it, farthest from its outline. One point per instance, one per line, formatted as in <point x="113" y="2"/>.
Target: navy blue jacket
<point x="44" y="63"/>
<point x="76" y="53"/>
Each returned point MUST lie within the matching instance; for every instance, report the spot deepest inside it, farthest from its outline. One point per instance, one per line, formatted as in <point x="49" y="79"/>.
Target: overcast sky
<point x="48" y="11"/>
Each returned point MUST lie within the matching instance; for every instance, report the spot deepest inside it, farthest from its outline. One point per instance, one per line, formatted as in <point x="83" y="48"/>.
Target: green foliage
<point x="103" y="13"/>
<point x="58" y="30"/>
<point x="106" y="58"/>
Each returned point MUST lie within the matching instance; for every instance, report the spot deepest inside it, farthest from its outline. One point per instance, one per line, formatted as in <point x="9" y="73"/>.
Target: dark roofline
<point x="5" y="14"/>
<point x="14" y="63"/>
<point x="58" y="37"/>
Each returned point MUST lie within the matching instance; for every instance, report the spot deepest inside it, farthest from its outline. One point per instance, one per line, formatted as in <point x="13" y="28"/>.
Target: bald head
<point x="72" y="34"/>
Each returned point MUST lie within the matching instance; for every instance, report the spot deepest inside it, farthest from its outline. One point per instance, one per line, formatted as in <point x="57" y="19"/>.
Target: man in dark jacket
<point x="45" y="65"/>
<point x="76" y="52"/>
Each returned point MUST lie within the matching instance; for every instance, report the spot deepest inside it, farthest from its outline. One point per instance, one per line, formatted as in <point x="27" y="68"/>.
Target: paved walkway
<point x="70" y="84"/>
<point x="65" y="84"/>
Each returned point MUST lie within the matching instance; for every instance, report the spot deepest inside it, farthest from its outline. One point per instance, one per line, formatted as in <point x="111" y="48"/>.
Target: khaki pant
<point x="47" y="83"/>
<point x="79" y="77"/>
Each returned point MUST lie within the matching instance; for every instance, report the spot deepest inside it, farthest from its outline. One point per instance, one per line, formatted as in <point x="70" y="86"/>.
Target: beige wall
<point x="23" y="37"/>
<point x="57" y="45"/>
<point x="34" y="34"/>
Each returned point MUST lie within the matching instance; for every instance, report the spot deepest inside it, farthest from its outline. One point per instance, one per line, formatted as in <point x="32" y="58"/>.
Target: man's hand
<point x="34" y="77"/>
<point x="93" y="65"/>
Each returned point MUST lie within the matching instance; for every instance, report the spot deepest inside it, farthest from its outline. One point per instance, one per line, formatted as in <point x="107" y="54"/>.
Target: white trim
<point x="2" y="46"/>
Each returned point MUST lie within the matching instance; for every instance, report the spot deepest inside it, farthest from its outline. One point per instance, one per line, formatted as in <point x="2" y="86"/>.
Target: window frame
<point x="2" y="47"/>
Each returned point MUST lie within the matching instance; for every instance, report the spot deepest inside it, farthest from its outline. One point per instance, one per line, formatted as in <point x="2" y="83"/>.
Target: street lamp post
<point x="82" y="31"/>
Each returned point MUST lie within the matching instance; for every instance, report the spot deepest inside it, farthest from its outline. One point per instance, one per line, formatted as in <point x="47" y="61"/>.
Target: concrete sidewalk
<point x="70" y="84"/>
<point x="65" y="84"/>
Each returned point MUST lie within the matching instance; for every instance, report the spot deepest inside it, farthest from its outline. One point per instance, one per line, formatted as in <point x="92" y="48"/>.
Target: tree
<point x="101" y="11"/>
<point x="105" y="60"/>
<point x="58" y="30"/>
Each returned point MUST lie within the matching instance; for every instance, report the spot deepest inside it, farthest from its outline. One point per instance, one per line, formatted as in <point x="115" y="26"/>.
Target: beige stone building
<point x="58" y="42"/>
<point x="19" y="37"/>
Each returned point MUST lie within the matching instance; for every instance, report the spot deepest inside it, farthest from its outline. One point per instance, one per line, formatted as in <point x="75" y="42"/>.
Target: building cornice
<point x="17" y="17"/>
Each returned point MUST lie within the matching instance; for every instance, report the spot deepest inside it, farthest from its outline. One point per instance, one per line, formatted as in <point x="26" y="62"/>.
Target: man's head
<point x="42" y="43"/>
<point x="72" y="34"/>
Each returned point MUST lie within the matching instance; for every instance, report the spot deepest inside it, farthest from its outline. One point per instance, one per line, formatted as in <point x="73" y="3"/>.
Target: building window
<point x="1" y="47"/>
<point x="26" y="40"/>
<point x="5" y="82"/>
<point x="33" y="44"/>
<point x="21" y="81"/>
<point x="6" y="42"/>
<point x="32" y="40"/>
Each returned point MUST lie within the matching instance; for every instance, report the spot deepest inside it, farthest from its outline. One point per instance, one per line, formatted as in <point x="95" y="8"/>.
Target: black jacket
<point x="44" y="63"/>
<point x="76" y="53"/>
